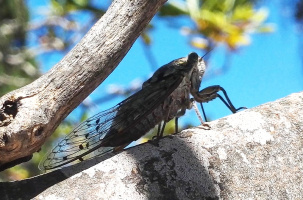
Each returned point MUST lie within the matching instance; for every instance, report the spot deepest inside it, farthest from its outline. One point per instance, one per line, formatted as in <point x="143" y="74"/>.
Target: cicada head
<point x="196" y="75"/>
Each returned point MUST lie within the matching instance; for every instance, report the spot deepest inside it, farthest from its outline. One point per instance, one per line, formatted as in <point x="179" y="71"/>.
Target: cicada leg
<point x="210" y="93"/>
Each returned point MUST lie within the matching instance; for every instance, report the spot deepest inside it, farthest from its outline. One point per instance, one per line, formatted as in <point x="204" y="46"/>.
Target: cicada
<point x="164" y="96"/>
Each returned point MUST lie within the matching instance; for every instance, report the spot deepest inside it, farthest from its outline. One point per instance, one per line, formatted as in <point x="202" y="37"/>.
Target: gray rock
<point x="254" y="154"/>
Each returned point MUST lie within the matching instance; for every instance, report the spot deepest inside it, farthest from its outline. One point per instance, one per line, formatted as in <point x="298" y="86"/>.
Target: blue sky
<point x="268" y="69"/>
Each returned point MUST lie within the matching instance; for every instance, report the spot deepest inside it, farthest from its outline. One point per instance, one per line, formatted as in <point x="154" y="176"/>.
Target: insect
<point x="164" y="96"/>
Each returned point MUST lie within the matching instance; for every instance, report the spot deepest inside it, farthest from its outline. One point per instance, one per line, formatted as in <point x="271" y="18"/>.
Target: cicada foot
<point x="204" y="126"/>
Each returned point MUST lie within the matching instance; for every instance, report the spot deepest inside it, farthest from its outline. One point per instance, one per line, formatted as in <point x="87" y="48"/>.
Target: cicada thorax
<point x="178" y="100"/>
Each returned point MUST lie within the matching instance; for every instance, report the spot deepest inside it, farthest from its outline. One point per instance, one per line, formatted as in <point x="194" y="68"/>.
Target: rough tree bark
<point x="30" y="114"/>
<point x="254" y="154"/>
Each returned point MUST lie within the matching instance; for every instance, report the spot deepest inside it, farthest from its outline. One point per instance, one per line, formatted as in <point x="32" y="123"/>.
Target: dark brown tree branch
<point x="30" y="114"/>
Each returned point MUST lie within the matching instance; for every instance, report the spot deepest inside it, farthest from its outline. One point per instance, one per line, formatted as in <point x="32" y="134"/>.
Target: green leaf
<point x="193" y="8"/>
<point x="172" y="9"/>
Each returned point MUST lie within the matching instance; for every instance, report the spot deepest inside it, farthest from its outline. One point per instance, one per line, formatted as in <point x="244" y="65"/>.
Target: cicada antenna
<point x="208" y="52"/>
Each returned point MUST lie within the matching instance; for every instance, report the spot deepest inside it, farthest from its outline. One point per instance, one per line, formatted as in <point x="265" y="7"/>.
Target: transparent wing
<point x="85" y="137"/>
<point x="93" y="133"/>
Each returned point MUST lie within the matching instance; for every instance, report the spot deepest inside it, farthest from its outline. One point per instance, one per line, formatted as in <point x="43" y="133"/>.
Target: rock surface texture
<point x="254" y="154"/>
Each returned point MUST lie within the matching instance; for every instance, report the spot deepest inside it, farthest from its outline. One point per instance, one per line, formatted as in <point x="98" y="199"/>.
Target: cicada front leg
<point x="210" y="93"/>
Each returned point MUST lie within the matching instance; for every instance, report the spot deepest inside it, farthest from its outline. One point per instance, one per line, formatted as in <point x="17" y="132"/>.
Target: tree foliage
<point x="228" y="21"/>
<point x="18" y="66"/>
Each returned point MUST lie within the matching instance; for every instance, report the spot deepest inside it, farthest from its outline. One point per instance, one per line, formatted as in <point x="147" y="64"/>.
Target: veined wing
<point x="93" y="133"/>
